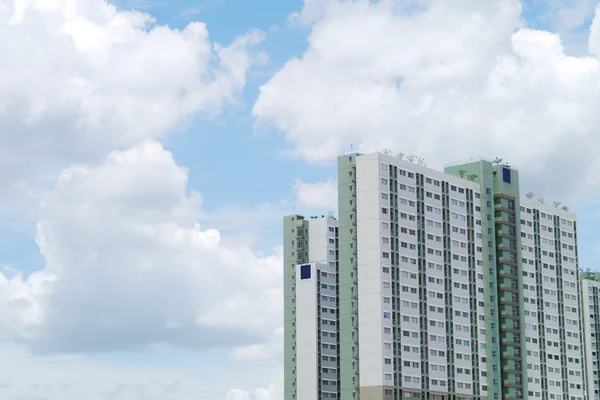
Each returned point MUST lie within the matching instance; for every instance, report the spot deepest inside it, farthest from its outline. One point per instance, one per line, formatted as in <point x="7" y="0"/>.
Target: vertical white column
<point x="306" y="332"/>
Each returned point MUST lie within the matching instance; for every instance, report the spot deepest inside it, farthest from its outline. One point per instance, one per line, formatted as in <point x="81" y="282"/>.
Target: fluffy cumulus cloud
<point x="274" y="391"/>
<point x="79" y="78"/>
<point x="442" y="80"/>
<point x="317" y="195"/>
<point x="128" y="266"/>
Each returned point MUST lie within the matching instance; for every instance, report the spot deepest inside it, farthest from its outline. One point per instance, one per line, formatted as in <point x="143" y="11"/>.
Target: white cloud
<point x="260" y="394"/>
<point x="4" y="382"/>
<point x="78" y="78"/>
<point x="265" y="352"/>
<point x="317" y="195"/>
<point x="20" y="306"/>
<point x="454" y="80"/>
<point x="274" y="391"/>
<point x="128" y="266"/>
<point x="594" y="44"/>
<point x="260" y="225"/>
<point x="565" y="15"/>
<point x="256" y="225"/>
<point x="140" y="376"/>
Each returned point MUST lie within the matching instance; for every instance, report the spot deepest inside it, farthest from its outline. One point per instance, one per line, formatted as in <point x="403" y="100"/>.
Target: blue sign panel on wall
<point x="305" y="272"/>
<point x="506" y="175"/>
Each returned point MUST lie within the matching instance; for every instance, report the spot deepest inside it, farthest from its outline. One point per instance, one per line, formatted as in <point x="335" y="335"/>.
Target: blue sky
<point x="233" y="133"/>
<point x="98" y="247"/>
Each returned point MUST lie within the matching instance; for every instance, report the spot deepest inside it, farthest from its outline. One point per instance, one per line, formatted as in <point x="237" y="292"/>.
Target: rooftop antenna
<point x="351" y="148"/>
<point x="497" y="160"/>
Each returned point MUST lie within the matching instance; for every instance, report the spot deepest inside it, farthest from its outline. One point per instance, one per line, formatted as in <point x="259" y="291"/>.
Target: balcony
<point x="504" y="300"/>
<point x="503" y="207"/>
<point x="508" y="274"/>
<point x="506" y="247"/>
<point x="510" y="356"/>
<point x="505" y="234"/>
<point x="500" y="220"/>
<point x="512" y="288"/>
<point x="503" y="260"/>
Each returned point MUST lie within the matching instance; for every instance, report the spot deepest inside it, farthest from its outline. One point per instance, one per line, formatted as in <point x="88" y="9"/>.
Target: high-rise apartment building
<point x="311" y="352"/>
<point x="551" y="303"/>
<point x="590" y="296"/>
<point x="448" y="286"/>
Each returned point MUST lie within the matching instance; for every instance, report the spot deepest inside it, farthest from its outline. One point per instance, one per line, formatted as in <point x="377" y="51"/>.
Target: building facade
<point x="552" y="295"/>
<point x="440" y="278"/>
<point x="590" y="295"/>
<point x="311" y="352"/>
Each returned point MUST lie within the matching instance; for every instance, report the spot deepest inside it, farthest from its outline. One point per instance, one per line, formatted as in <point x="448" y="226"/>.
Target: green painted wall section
<point x="512" y="189"/>
<point x="290" y="260"/>
<point x="489" y="176"/>
<point x="347" y="245"/>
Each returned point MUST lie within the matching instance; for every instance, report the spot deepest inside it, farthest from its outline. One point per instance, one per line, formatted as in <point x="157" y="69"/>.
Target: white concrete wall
<point x="372" y="280"/>
<point x="370" y="276"/>
<point x="318" y="239"/>
<point x="550" y="281"/>
<point x="306" y="335"/>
